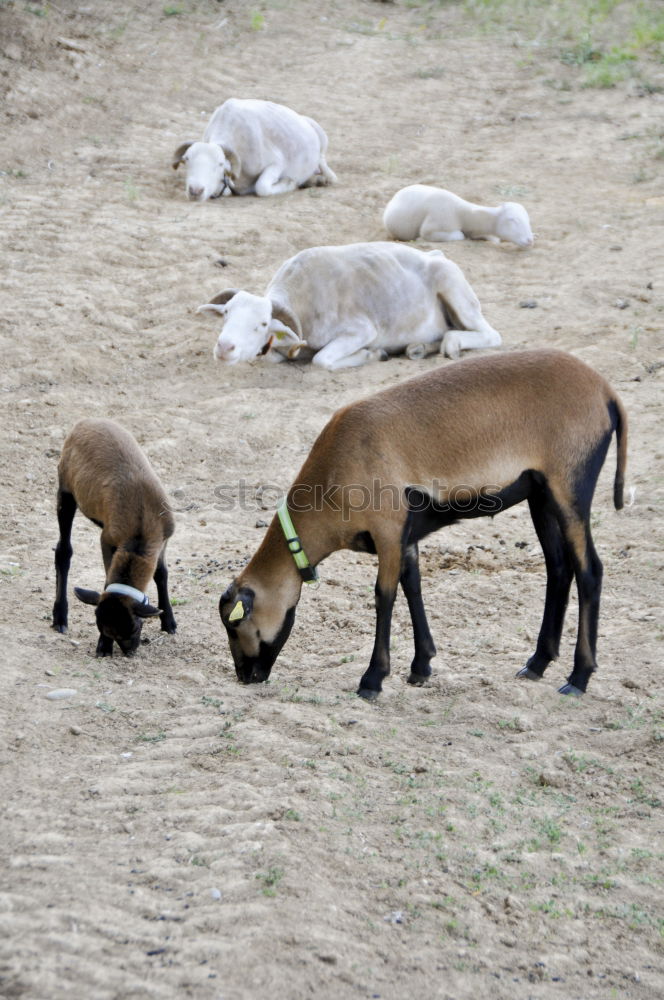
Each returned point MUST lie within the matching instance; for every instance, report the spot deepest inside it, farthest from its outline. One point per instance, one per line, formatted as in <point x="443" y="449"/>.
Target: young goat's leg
<point x="161" y="579"/>
<point x="425" y="649"/>
<point x="63" y="553"/>
<point x="559" y="573"/>
<point x="104" y="643"/>
<point x="107" y="553"/>
<point x="389" y="570"/>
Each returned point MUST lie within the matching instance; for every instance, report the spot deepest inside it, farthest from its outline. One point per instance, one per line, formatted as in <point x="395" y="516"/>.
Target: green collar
<point x="304" y="567"/>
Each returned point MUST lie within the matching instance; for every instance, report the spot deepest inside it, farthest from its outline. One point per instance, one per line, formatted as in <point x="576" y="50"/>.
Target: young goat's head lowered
<point x="119" y="616"/>
<point x="103" y="471"/>
<point x="532" y="426"/>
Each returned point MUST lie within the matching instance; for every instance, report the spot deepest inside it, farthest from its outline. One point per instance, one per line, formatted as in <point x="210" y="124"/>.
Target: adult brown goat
<point x="466" y="440"/>
<point x="103" y="471"/>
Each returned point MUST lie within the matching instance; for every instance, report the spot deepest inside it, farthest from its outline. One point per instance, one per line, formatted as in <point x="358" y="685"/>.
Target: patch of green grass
<point x="609" y="70"/>
<point x="211" y="702"/>
<point x="152" y="737"/>
<point x="583" y="51"/>
<point x="270" y="880"/>
<point x="642" y="794"/>
<point x="172" y="10"/>
<point x="11" y="569"/>
<point x="512" y="190"/>
<point x="513" y="724"/>
<point x="257" y="21"/>
<point x="430" y="73"/>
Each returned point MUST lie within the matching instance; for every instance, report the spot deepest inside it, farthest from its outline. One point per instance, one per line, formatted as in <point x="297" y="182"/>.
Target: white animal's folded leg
<point x="430" y="232"/>
<point x="271" y="182"/>
<point x="463" y="304"/>
<point x="347" y="349"/>
<point x="456" y="341"/>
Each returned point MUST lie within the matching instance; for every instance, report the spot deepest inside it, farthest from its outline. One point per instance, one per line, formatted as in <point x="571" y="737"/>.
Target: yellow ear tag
<point x="280" y="334"/>
<point x="237" y="612"/>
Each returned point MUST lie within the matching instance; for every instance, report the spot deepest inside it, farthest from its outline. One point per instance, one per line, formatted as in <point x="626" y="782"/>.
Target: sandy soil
<point x="167" y="833"/>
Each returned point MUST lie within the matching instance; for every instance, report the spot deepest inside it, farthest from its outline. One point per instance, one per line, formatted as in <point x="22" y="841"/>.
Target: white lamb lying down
<point x="345" y="305"/>
<point x="438" y="215"/>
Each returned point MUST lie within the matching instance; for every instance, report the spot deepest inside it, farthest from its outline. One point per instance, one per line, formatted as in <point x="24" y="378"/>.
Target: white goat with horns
<point x="346" y="305"/>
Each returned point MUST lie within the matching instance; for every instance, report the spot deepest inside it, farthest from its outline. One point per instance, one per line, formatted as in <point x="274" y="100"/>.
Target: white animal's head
<point x="252" y="325"/>
<point x="210" y="170"/>
<point x="513" y="224"/>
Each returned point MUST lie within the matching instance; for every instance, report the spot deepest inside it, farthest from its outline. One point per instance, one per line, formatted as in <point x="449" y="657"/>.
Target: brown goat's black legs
<point x="425" y="649"/>
<point x="371" y="683"/>
<point x="559" y="573"/>
<point x="63" y="553"/>
<point x="161" y="579"/>
<point x="568" y="549"/>
<point x="588" y="571"/>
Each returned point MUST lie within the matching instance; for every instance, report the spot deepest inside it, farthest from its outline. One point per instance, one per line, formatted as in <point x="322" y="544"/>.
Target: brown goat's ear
<point x="145" y="610"/>
<point x="87" y="596"/>
<point x="179" y="154"/>
<point x="237" y="608"/>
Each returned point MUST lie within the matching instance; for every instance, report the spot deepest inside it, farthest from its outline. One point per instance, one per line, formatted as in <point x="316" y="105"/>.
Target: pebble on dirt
<point x="59" y="693"/>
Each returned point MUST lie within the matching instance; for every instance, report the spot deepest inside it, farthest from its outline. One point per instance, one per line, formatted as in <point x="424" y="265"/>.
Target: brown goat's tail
<point x="621" y="460"/>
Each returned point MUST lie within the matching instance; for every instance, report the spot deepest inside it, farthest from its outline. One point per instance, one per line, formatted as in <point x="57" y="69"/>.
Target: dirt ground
<point x="167" y="833"/>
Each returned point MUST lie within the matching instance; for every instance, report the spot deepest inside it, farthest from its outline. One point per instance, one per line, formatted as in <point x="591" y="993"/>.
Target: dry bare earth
<point x="167" y="833"/>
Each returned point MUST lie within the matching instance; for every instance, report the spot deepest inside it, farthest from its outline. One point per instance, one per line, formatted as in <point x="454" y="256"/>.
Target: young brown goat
<point x="466" y="440"/>
<point x="103" y="471"/>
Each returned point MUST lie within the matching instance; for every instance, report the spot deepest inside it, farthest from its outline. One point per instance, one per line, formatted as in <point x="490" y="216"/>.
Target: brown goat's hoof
<point x="367" y="694"/>
<point x="571" y="689"/>
<point x="529" y="674"/>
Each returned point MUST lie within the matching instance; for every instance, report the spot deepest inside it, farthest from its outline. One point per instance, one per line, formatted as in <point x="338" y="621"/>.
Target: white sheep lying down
<point x="346" y="305"/>
<point x="254" y="147"/>
<point x="439" y="215"/>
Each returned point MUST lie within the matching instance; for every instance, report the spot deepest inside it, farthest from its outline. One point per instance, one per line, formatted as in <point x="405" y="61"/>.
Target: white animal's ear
<point x="178" y="155"/>
<point x="235" y="162"/>
<point x="282" y="335"/>
<point x="216" y="304"/>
